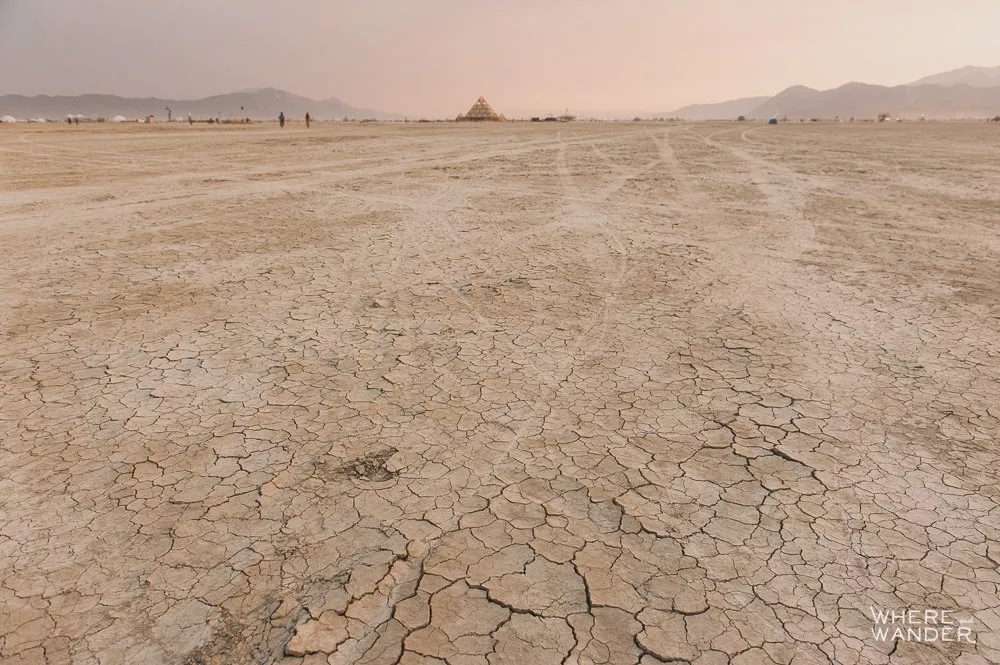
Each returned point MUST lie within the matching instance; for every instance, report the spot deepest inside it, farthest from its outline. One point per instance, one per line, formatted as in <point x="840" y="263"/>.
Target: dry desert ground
<point x="582" y="394"/>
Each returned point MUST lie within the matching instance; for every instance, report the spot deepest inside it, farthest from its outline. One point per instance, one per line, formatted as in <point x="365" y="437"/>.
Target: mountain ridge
<point x="962" y="93"/>
<point x="977" y="77"/>
<point x="966" y="92"/>
<point x="259" y="104"/>
<point x="717" y="110"/>
<point x="868" y="101"/>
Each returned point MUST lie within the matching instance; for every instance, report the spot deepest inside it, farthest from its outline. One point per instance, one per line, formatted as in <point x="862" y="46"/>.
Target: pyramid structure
<point x="481" y="111"/>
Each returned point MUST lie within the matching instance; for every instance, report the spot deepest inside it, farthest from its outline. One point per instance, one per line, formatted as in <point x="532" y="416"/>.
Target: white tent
<point x="7" y="119"/>
<point x="119" y="118"/>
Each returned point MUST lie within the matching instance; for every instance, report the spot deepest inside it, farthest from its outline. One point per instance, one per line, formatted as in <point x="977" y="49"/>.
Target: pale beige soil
<point x="585" y="394"/>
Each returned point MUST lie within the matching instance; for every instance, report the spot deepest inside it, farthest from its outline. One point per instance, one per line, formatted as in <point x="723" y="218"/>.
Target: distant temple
<point x="481" y="111"/>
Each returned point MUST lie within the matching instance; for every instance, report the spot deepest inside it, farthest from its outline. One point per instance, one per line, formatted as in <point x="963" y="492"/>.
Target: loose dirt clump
<point x="370" y="467"/>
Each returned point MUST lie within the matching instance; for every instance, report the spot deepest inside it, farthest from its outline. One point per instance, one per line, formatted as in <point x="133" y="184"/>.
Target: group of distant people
<point x="281" y="120"/>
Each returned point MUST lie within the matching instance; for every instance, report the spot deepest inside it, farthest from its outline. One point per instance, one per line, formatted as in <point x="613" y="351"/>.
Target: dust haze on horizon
<point x="435" y="57"/>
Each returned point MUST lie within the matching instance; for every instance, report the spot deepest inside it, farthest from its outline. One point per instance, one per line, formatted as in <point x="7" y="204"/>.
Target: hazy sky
<point x="436" y="56"/>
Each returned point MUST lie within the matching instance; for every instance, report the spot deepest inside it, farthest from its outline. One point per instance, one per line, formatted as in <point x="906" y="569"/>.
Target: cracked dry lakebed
<point x="581" y="394"/>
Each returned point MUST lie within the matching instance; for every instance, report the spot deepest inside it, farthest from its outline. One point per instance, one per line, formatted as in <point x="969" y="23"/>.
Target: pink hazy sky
<point x="434" y="57"/>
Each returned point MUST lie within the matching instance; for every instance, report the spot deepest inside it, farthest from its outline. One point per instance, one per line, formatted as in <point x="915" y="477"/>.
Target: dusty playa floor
<point x="584" y="394"/>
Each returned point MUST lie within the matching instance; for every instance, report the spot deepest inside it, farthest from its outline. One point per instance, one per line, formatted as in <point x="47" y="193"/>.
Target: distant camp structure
<point x="481" y="111"/>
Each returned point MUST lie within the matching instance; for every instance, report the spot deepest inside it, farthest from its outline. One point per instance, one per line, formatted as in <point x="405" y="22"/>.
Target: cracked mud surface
<point x="586" y="394"/>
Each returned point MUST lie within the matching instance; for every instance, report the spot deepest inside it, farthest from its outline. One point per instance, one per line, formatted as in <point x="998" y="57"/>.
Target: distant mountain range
<point x="717" y="111"/>
<point x="868" y="101"/>
<point x="977" y="77"/>
<point x="263" y="104"/>
<point x="969" y="92"/>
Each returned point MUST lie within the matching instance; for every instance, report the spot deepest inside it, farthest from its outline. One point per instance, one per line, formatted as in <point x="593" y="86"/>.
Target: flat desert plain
<point x="586" y="394"/>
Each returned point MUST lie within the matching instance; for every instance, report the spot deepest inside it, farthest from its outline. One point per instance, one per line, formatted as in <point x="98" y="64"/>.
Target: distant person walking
<point x="308" y="120"/>
<point x="190" y="119"/>
<point x="281" y="119"/>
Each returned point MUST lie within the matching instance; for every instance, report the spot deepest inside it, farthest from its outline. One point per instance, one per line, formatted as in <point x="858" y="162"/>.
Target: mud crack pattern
<point x="417" y="395"/>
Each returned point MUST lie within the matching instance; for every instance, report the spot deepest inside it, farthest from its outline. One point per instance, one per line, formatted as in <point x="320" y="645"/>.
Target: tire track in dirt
<point x="786" y="192"/>
<point x="747" y="459"/>
<point x="580" y="218"/>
